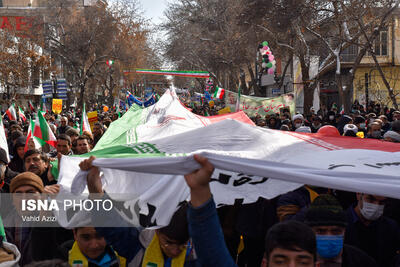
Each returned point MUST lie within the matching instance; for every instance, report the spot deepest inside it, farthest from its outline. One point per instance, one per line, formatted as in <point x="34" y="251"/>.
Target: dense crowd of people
<point x="310" y="226"/>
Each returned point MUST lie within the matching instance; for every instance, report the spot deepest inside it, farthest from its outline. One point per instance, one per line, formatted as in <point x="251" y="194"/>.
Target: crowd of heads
<point x="374" y="122"/>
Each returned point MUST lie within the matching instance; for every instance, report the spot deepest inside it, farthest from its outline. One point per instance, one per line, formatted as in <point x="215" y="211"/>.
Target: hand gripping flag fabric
<point x="144" y="155"/>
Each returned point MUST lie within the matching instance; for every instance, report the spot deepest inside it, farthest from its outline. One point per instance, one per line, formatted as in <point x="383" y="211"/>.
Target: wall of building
<point x="376" y="88"/>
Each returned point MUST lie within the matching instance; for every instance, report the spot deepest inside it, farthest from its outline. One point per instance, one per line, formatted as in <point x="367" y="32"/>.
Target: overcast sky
<point x="153" y="9"/>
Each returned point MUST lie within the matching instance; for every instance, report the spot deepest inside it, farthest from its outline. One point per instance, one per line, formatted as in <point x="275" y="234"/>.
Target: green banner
<point x="262" y="106"/>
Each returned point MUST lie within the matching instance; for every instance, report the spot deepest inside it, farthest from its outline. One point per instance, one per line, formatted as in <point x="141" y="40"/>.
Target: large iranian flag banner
<point x="144" y="155"/>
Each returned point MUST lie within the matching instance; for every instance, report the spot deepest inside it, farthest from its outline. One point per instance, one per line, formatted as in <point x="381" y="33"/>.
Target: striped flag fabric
<point x="43" y="131"/>
<point x="37" y="141"/>
<point x="85" y="126"/>
<point x="21" y="114"/>
<point x="11" y="113"/>
<point x="31" y="106"/>
<point x="193" y="74"/>
<point x="219" y="93"/>
<point x="3" y="138"/>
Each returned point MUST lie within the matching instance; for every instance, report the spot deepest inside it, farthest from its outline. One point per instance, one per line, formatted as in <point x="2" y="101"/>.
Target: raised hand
<point x="199" y="182"/>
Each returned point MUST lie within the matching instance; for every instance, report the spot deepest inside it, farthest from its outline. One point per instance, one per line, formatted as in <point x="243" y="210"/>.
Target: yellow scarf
<point x="77" y="259"/>
<point x="153" y="256"/>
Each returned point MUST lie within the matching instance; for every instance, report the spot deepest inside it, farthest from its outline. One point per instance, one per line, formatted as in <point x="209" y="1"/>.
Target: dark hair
<point x="31" y="152"/>
<point x="291" y="235"/>
<point x="83" y="137"/>
<point x="15" y="134"/>
<point x="64" y="137"/>
<point x="177" y="229"/>
<point x="71" y="132"/>
<point x="350" y="133"/>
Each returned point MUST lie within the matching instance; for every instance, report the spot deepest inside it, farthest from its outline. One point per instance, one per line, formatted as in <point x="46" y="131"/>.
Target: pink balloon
<point x="271" y="71"/>
<point x="271" y="58"/>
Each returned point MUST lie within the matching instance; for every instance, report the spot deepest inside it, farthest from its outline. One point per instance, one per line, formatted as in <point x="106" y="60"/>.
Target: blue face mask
<point x="329" y="246"/>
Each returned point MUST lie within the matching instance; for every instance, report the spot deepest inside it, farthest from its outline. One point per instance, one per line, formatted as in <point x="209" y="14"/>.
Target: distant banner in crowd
<point x="57" y="106"/>
<point x="147" y="103"/>
<point x="144" y="155"/>
<point x="262" y="106"/>
<point x="193" y="74"/>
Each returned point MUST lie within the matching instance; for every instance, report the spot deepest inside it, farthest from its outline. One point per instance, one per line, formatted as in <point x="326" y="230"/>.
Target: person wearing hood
<point x="17" y="162"/>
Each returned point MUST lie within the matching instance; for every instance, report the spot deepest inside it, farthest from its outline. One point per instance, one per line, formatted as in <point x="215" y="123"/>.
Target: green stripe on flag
<point x="43" y="127"/>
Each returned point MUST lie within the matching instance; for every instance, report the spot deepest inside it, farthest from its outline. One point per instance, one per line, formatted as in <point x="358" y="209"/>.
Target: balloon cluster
<point x="268" y="60"/>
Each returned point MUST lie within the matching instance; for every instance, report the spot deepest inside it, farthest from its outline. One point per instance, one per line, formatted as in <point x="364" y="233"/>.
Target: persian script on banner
<point x="253" y="106"/>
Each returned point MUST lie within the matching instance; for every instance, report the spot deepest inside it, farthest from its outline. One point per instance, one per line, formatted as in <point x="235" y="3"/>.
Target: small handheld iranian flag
<point x="21" y="114"/>
<point x="3" y="139"/>
<point x="37" y="141"/>
<point x="219" y="93"/>
<point x="85" y="126"/>
<point x="31" y="106"/>
<point x="43" y="131"/>
<point x="11" y="113"/>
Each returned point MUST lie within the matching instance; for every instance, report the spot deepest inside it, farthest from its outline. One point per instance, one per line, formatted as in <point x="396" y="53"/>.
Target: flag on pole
<point x="11" y="113"/>
<point x="3" y="139"/>
<point x="238" y="101"/>
<point x="38" y="142"/>
<point x="219" y="93"/>
<point x="31" y="106"/>
<point x="21" y="114"/>
<point x="43" y="131"/>
<point x="85" y="126"/>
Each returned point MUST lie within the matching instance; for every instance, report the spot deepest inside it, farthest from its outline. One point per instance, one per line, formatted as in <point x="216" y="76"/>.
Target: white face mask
<point x="331" y="117"/>
<point x="297" y="125"/>
<point x="372" y="212"/>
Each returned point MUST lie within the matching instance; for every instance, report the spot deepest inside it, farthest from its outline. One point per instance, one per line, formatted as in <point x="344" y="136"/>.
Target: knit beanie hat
<point x="26" y="178"/>
<point x="325" y="210"/>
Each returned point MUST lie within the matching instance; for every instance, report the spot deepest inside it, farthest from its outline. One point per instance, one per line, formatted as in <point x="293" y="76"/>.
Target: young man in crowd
<point x="82" y="145"/>
<point x="328" y="220"/>
<point x="90" y="249"/>
<point x="371" y="231"/>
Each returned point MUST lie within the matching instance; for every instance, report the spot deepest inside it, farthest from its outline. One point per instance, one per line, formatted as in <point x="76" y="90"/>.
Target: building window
<point x="381" y="44"/>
